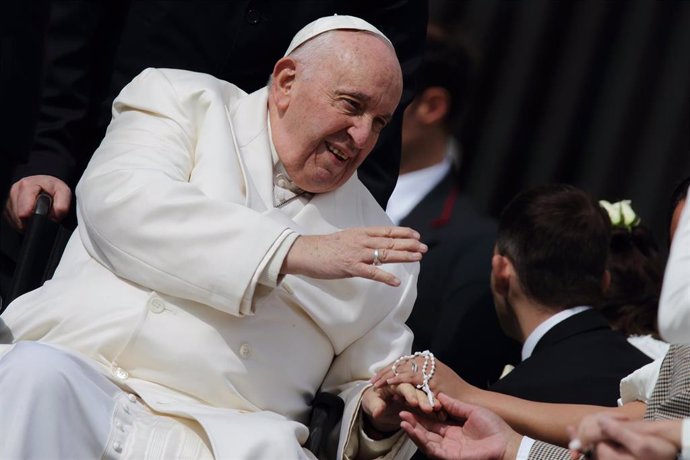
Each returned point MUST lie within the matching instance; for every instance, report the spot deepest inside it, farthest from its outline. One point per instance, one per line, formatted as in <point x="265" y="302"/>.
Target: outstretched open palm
<point x="474" y="433"/>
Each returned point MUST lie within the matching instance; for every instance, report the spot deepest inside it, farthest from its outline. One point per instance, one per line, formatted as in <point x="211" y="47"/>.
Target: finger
<point x="423" y="401"/>
<point x="62" y="198"/>
<point x="393" y="232"/>
<point x="406" y="376"/>
<point x="376" y="274"/>
<point x="454" y="407"/>
<point x="608" y="451"/>
<point x="391" y="256"/>
<point x="11" y="216"/>
<point x="429" y="443"/>
<point x="409" y="417"/>
<point x="417" y="434"/>
<point x="409" y="393"/>
<point x="400" y="378"/>
<point x="615" y="431"/>
<point x="394" y="246"/>
<point x="374" y="254"/>
<point x="382" y="377"/>
<point x="24" y="197"/>
<point x="422" y="424"/>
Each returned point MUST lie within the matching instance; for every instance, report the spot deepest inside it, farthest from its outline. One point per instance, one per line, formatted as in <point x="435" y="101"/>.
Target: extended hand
<point x="617" y="439"/>
<point x="382" y="406"/>
<point x="476" y="433"/>
<point x="20" y="204"/>
<point x="350" y="253"/>
<point x="444" y="380"/>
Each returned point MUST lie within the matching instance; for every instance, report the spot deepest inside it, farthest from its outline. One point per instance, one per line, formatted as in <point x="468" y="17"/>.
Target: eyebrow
<point x="364" y="98"/>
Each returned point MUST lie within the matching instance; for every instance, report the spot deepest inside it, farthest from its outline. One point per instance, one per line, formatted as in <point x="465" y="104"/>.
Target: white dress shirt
<point x="412" y="187"/>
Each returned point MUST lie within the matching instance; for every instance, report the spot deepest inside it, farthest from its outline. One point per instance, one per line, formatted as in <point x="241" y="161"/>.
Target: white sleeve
<point x="674" y="304"/>
<point x="142" y="217"/>
<point x="638" y="386"/>
<point x="525" y="446"/>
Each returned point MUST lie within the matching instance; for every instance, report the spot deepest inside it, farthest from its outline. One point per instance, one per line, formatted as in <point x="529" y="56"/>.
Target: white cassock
<point x="160" y="285"/>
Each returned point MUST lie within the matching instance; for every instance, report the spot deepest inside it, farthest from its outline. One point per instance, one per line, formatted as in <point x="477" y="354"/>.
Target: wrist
<point x="512" y="446"/>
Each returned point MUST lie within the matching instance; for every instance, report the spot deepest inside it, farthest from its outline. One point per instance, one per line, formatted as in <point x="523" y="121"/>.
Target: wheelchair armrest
<point x="37" y="243"/>
<point x="324" y="427"/>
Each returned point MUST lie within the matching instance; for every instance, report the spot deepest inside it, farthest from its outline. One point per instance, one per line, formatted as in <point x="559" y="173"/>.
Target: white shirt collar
<point x="544" y="327"/>
<point x="284" y="189"/>
<point x="412" y="187"/>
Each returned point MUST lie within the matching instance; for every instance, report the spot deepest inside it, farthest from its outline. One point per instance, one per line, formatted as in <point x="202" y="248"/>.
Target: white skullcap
<point x="334" y="22"/>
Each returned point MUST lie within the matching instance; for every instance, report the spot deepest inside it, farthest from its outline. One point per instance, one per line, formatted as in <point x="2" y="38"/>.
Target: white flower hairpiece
<point x="621" y="214"/>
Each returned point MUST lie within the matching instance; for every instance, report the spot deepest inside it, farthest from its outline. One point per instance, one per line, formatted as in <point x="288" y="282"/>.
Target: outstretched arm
<point x="351" y="253"/>
<point x="544" y="421"/>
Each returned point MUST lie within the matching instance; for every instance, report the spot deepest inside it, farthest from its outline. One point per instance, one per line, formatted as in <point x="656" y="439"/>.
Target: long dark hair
<point x="636" y="266"/>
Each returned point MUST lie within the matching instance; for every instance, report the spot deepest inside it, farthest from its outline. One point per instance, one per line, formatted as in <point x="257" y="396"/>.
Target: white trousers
<point x="55" y="405"/>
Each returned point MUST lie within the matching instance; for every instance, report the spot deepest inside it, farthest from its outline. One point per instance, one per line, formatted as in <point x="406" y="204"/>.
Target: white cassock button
<point x="245" y="350"/>
<point x="156" y="305"/>
<point x="117" y="446"/>
<point x="132" y="397"/>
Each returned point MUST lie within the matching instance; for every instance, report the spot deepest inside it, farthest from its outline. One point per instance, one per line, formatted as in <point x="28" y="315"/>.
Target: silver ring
<point x="376" y="261"/>
<point x="414" y="367"/>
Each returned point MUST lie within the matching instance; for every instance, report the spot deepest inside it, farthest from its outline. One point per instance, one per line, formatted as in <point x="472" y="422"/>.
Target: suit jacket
<point x="454" y="310"/>
<point x="670" y="399"/>
<point x="580" y="360"/>
<point x="160" y="286"/>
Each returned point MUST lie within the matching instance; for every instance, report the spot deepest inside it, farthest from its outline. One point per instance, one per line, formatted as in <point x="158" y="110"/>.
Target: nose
<point x="361" y="132"/>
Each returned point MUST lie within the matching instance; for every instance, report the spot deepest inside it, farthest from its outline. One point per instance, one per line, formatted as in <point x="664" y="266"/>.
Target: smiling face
<point x="328" y="106"/>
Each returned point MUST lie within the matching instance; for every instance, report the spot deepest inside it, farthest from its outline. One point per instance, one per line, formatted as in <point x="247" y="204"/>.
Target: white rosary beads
<point x="426" y="377"/>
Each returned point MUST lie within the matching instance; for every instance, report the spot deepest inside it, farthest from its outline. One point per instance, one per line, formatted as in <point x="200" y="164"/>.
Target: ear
<point x="283" y="80"/>
<point x="501" y="274"/>
<point x="605" y="281"/>
<point x="432" y="105"/>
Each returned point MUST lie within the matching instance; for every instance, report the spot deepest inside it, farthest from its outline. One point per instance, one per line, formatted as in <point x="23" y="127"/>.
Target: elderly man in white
<point x="226" y="266"/>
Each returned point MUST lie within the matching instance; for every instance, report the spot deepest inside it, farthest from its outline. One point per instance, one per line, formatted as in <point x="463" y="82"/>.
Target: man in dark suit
<point x="548" y="271"/>
<point x="454" y="310"/>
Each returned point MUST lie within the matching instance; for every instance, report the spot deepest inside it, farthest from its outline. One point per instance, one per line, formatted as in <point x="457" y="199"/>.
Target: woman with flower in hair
<point x="636" y="266"/>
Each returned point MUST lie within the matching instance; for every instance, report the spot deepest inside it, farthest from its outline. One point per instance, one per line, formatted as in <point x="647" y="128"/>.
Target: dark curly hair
<point x="636" y="266"/>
